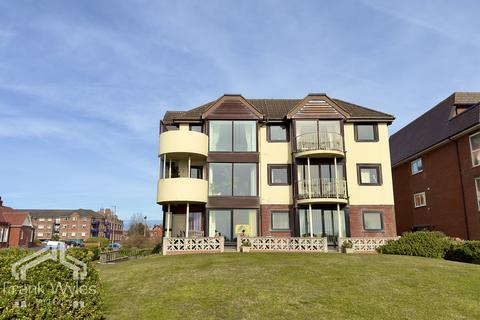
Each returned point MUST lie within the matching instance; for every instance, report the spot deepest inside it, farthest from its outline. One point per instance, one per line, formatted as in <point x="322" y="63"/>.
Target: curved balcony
<point x="178" y="190"/>
<point x="320" y="145"/>
<point x="324" y="190"/>
<point x="183" y="141"/>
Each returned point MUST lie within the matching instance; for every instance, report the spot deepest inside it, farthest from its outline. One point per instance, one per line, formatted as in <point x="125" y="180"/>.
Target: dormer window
<point x="458" y="109"/>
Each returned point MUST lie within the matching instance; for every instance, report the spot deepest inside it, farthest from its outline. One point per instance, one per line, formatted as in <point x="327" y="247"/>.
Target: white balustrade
<point x="193" y="245"/>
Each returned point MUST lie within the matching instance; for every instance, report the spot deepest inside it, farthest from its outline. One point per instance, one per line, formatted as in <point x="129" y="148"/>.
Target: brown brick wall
<point x="265" y="225"/>
<point x="14" y="237"/>
<point x="442" y="182"/>
<point x="356" y="221"/>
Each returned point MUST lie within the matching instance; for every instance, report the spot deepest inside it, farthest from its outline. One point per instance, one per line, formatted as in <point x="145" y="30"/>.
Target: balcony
<point x="183" y="141"/>
<point x="181" y="190"/>
<point x="320" y="145"/>
<point x="322" y="190"/>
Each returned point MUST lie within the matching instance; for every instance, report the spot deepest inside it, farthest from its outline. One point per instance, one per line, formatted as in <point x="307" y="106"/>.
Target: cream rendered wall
<point x="273" y="153"/>
<point x="368" y="152"/>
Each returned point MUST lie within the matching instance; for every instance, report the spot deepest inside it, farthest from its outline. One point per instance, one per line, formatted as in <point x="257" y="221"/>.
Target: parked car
<point x="74" y="243"/>
<point x="54" y="245"/>
<point x="114" y="246"/>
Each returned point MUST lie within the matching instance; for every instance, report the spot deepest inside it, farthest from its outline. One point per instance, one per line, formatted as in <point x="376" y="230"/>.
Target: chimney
<point x="1" y="202"/>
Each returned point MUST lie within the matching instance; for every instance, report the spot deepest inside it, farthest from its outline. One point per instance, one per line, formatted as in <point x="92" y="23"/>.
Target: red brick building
<point x="4" y="230"/>
<point x="16" y="229"/>
<point x="436" y="169"/>
<point x="113" y="225"/>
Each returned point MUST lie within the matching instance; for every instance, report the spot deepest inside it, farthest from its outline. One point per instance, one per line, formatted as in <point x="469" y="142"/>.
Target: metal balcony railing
<point x="319" y="141"/>
<point x="322" y="188"/>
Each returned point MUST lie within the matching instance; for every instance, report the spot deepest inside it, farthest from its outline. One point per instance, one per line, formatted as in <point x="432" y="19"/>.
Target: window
<point x="73" y="234"/>
<point x="74" y="218"/>
<point x="236" y="136"/>
<point x="237" y="179"/>
<point x="40" y="234"/>
<point x="196" y="127"/>
<point x="84" y="226"/>
<point x="64" y="234"/>
<point x="373" y="221"/>
<point x="21" y="234"/>
<point x="196" y="172"/>
<point x="417" y="166"/>
<point x="369" y="174"/>
<point x="3" y="234"/>
<point x="83" y="234"/>
<point x="366" y="132"/>
<point x="278" y="174"/>
<point x="419" y="200"/>
<point x="280" y="220"/>
<point x="74" y="226"/>
<point x="244" y="179"/>
<point x="477" y="187"/>
<point x="475" y="148"/>
<point x="41" y="219"/>
<point x="195" y="221"/>
<point x="41" y="226"/>
<point x="277" y="133"/>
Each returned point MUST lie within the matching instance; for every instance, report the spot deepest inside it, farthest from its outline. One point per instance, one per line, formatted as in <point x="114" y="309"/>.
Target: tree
<point x="55" y="237"/>
<point x="138" y="227"/>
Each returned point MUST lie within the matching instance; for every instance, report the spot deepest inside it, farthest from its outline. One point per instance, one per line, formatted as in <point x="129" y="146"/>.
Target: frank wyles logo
<point x="78" y="267"/>
<point x="21" y="267"/>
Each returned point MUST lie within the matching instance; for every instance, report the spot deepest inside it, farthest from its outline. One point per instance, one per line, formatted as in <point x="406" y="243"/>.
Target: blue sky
<point x="83" y="84"/>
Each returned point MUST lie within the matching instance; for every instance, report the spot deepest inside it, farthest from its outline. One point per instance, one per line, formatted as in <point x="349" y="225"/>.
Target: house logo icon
<point x="20" y="268"/>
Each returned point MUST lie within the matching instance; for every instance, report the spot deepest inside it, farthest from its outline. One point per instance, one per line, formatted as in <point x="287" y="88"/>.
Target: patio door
<point x="232" y="222"/>
<point x="324" y="224"/>
<point x="178" y="225"/>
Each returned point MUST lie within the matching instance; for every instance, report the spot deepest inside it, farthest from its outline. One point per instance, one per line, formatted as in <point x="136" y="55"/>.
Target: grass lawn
<point x="291" y="286"/>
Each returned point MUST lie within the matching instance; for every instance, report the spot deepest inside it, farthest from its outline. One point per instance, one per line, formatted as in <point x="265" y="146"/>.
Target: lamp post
<point x="145" y="227"/>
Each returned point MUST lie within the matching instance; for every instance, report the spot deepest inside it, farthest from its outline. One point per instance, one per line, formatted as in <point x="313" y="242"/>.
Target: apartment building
<point x="311" y="167"/>
<point x="436" y="169"/>
<point x="78" y="224"/>
<point x="113" y="225"/>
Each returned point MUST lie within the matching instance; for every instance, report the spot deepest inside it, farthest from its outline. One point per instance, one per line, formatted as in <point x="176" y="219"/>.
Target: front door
<point x="178" y="225"/>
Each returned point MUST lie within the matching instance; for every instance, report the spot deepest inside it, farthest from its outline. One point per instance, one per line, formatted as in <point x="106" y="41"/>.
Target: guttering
<point x="437" y="145"/>
<point x="462" y="189"/>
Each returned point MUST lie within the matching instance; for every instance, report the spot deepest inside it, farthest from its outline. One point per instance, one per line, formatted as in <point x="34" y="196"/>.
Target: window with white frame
<point x="280" y="220"/>
<point x="475" y="148"/>
<point x="477" y="187"/>
<point x="83" y="234"/>
<point x="417" y="166"/>
<point x="40" y="234"/>
<point x="64" y="234"/>
<point x="419" y="200"/>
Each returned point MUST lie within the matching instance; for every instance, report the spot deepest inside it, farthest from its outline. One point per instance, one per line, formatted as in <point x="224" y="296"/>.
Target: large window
<point x="277" y="133"/>
<point x="232" y="179"/>
<point x="280" y="220"/>
<point x="230" y="223"/>
<point x="369" y="174"/>
<point x="196" y="127"/>
<point x="475" y="148"/>
<point x="366" y="132"/>
<point x="4" y="234"/>
<point x="417" y="166"/>
<point x="373" y="221"/>
<point x="278" y="174"/>
<point x="236" y="136"/>
<point x="419" y="200"/>
<point x="324" y="224"/>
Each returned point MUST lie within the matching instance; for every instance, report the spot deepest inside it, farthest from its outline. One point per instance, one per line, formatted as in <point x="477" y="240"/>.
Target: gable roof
<point x="3" y="221"/>
<point x="17" y="218"/>
<point x="435" y="126"/>
<point x="278" y="109"/>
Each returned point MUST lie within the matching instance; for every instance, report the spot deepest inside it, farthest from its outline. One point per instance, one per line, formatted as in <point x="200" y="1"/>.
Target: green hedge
<point x="49" y="290"/>
<point x="464" y="251"/>
<point x="422" y="243"/>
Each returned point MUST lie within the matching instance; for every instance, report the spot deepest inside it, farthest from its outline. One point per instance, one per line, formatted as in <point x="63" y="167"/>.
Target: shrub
<point x="157" y="249"/>
<point x="49" y="291"/>
<point x="422" y="243"/>
<point x="138" y="241"/>
<point x="464" y="251"/>
<point x="347" y="244"/>
<point x="97" y="242"/>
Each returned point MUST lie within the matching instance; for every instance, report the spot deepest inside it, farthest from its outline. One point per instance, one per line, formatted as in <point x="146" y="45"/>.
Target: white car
<point x="56" y="245"/>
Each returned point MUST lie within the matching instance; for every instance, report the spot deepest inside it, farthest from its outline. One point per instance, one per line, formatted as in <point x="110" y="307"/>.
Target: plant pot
<point x="347" y="250"/>
<point x="245" y="249"/>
